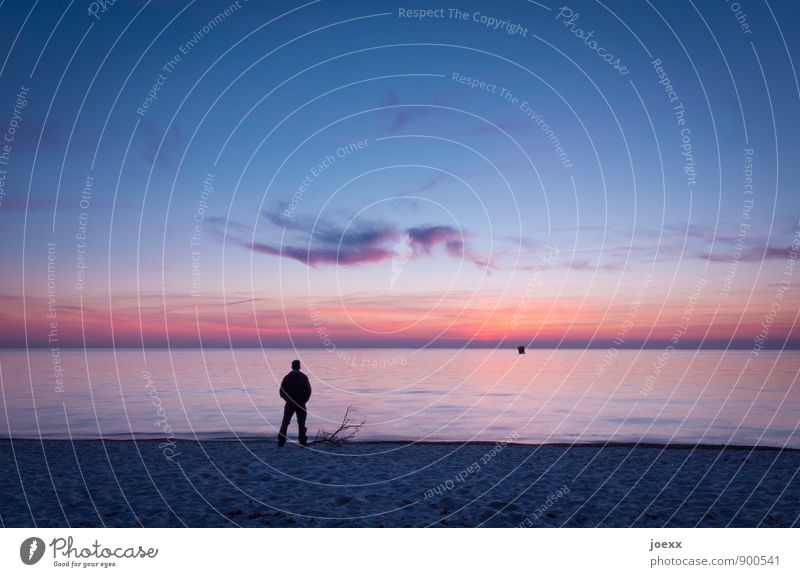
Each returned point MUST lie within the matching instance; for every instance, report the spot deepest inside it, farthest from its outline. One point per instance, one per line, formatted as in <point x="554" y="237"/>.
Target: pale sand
<point x="226" y="483"/>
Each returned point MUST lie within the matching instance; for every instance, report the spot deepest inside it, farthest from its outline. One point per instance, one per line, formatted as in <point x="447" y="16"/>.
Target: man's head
<point x="295" y="365"/>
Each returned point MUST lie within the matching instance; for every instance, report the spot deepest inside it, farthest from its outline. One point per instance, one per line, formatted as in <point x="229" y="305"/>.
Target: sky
<point x="369" y="174"/>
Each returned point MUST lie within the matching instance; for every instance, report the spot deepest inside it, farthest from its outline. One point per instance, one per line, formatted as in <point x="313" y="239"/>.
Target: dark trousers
<point x="289" y="410"/>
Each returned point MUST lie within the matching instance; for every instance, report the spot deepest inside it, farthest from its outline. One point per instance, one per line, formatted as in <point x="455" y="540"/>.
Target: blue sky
<point x="471" y="177"/>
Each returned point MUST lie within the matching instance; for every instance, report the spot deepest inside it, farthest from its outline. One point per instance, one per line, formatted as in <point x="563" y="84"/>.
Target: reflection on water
<point x="446" y="394"/>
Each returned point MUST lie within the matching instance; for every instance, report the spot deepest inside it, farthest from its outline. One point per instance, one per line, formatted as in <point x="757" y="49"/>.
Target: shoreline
<point x="408" y="443"/>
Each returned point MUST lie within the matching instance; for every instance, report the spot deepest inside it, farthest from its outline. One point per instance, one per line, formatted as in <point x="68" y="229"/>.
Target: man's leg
<point x="288" y="411"/>
<point x="301" y="424"/>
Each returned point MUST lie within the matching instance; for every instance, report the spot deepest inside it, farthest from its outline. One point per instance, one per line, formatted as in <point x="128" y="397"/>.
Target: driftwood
<point x="346" y="431"/>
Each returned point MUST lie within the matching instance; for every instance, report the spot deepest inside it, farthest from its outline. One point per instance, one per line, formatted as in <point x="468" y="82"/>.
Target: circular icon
<point x="31" y="550"/>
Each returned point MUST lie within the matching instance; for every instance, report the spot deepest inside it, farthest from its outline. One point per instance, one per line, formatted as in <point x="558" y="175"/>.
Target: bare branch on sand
<point x="346" y="431"/>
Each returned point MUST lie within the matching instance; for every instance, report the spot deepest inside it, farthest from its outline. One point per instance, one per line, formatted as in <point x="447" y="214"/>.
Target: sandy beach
<point x="256" y="484"/>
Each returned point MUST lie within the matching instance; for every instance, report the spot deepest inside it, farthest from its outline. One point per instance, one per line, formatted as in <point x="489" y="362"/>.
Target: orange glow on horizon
<point x="365" y="322"/>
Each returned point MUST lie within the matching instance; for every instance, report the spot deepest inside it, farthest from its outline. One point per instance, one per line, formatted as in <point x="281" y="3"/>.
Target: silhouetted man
<point x="295" y="390"/>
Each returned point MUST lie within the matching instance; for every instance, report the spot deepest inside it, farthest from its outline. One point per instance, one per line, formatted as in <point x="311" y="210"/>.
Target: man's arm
<point x="282" y="392"/>
<point x="307" y="388"/>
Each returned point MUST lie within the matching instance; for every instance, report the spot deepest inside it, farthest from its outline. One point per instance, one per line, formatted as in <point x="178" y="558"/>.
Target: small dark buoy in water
<point x="521" y="350"/>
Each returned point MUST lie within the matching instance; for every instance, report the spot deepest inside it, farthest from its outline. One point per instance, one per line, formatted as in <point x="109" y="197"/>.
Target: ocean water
<point x="404" y="394"/>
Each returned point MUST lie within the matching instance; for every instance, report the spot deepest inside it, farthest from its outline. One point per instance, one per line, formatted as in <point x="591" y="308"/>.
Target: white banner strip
<point x="333" y="552"/>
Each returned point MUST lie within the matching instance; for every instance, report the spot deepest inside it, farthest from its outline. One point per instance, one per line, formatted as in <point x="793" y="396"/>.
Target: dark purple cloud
<point x="424" y="238"/>
<point x="346" y="255"/>
<point x="580" y="264"/>
<point x="756" y="253"/>
<point x="316" y="243"/>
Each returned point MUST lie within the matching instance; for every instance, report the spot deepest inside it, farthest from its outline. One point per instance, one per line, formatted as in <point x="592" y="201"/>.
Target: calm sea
<point x="445" y="394"/>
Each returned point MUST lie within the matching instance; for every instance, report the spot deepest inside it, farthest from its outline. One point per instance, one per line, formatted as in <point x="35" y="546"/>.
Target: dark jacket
<point x="296" y="388"/>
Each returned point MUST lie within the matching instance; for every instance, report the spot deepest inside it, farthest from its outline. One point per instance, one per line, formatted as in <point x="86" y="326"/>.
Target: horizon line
<point x="793" y="346"/>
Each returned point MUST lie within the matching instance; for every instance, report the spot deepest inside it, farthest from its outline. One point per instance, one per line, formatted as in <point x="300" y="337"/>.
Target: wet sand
<point x="58" y="483"/>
